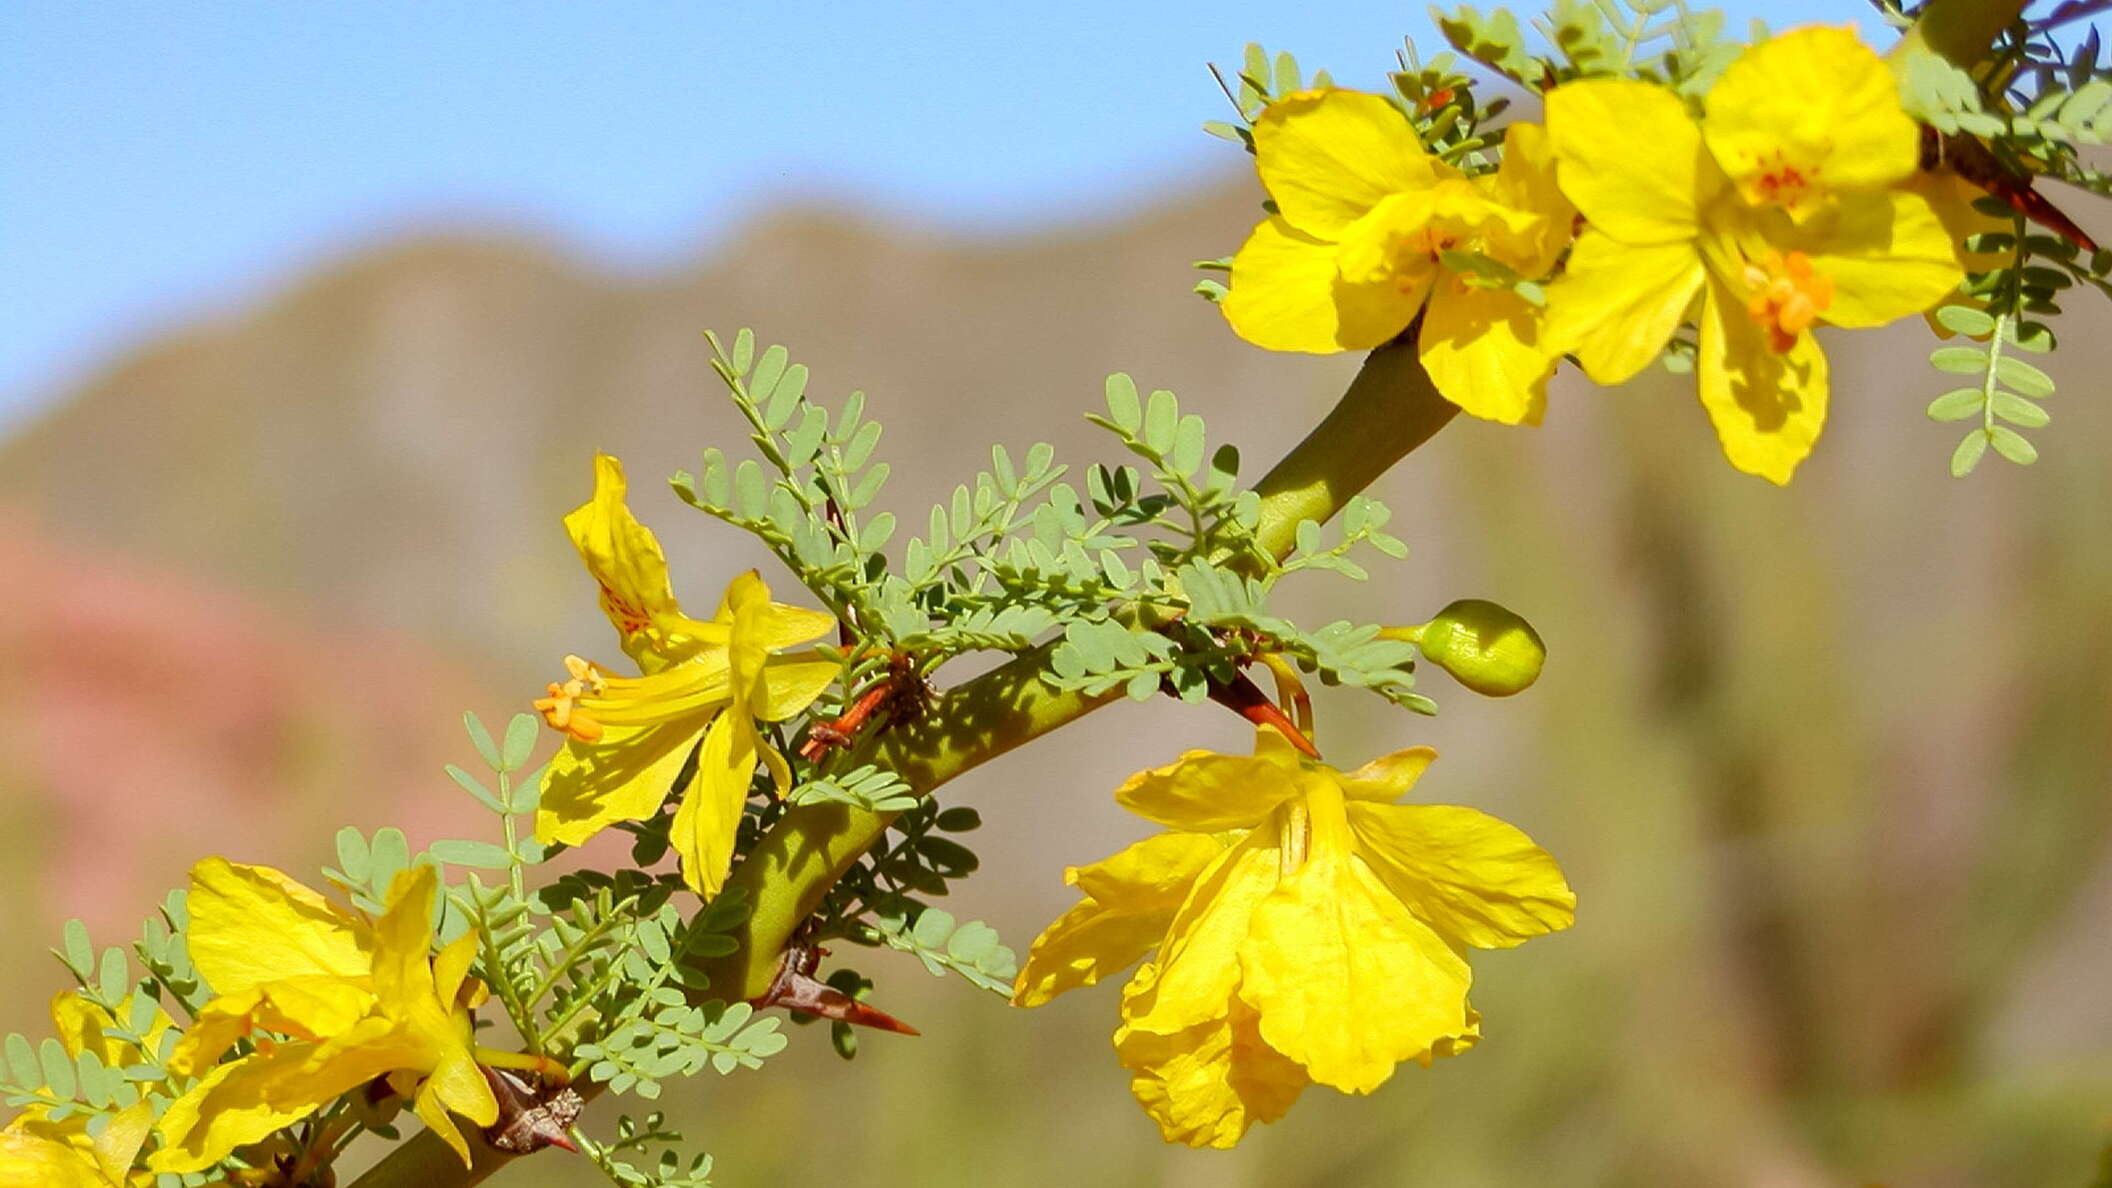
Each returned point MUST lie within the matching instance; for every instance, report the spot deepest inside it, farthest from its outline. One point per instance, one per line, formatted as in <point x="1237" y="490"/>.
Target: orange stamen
<point x="1788" y="294"/>
<point x="561" y="708"/>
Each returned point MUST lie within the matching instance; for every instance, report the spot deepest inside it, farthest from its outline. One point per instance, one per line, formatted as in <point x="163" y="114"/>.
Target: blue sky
<point x="162" y="160"/>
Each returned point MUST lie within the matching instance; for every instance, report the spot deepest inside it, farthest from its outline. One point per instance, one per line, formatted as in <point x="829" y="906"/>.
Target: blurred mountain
<point x="396" y="436"/>
<point x="1831" y="767"/>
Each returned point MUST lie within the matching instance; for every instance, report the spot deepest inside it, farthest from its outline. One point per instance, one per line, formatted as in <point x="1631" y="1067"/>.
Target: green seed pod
<point x="1485" y="647"/>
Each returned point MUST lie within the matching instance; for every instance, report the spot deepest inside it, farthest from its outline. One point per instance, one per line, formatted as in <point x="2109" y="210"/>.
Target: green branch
<point x="1388" y="411"/>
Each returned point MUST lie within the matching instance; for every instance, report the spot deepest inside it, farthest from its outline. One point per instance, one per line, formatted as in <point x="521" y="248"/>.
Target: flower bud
<point x="1485" y="647"/>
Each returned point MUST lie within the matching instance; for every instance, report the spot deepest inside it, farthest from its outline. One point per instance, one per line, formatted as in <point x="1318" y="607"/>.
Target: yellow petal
<point x="1812" y="113"/>
<point x="624" y="557"/>
<point x="119" y="1144"/>
<point x="311" y="1007"/>
<point x="1478" y="880"/>
<point x="451" y="967"/>
<point x="1388" y="777"/>
<point x="1198" y="964"/>
<point x="1485" y="350"/>
<point x="1270" y="744"/>
<point x="1889" y="256"/>
<point x="455" y="1086"/>
<point x="791" y="683"/>
<point x="1287" y="294"/>
<point x="1204" y="792"/>
<point x="252" y="924"/>
<point x="780" y="625"/>
<point x="430" y="1111"/>
<point x="34" y="1161"/>
<point x="403" y="950"/>
<point x="625" y="776"/>
<point x="81" y="1027"/>
<point x="1616" y="306"/>
<point x="1768" y="408"/>
<point x="219" y="1023"/>
<point x="245" y="1100"/>
<point x="1347" y="982"/>
<point x="1527" y="181"/>
<point x="779" y="768"/>
<point x="1206" y="1085"/>
<point x="1328" y="156"/>
<point x="709" y="819"/>
<point x="1631" y="159"/>
<point x="1951" y="197"/>
<point x="1130" y="899"/>
<point x="1402" y="235"/>
<point x="461" y="1087"/>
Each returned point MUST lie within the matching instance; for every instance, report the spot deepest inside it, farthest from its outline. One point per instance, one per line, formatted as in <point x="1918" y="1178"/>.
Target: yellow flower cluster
<point x="328" y="1001"/>
<point x="1307" y="930"/>
<point x="331" y="1000"/>
<point x="704" y="686"/>
<point x="1791" y="202"/>
<point x="38" y="1152"/>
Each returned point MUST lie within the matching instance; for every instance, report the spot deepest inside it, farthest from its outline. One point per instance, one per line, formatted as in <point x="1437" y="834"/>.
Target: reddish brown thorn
<point x="1245" y="698"/>
<point x="531" y="1116"/>
<point x="797" y="989"/>
<point x="839" y="731"/>
<point x="1976" y="163"/>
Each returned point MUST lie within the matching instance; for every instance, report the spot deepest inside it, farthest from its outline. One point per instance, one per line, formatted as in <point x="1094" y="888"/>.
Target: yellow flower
<point x="1783" y="208"/>
<point x="353" y="999"/>
<point x="706" y="683"/>
<point x="1307" y="931"/>
<point x="35" y="1150"/>
<point x="84" y="1027"/>
<point x="1368" y="230"/>
<point x="30" y="1158"/>
<point x="630" y="736"/>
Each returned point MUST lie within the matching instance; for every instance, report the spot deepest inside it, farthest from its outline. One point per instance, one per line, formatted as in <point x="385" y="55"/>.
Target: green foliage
<point x="1194" y="631"/>
<point x="1260" y="80"/>
<point x="1122" y="574"/>
<point x="1657" y="40"/>
<point x="42" y="1075"/>
<point x="969" y="948"/>
<point x="874" y="789"/>
<point x="673" y="1038"/>
<point x="1999" y="310"/>
<point x="2044" y="99"/>
<point x="2041" y="103"/>
<point x="635" y="1139"/>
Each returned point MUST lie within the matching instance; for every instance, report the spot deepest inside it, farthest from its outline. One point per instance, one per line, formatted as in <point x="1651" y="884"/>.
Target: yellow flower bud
<point x="1485" y="647"/>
